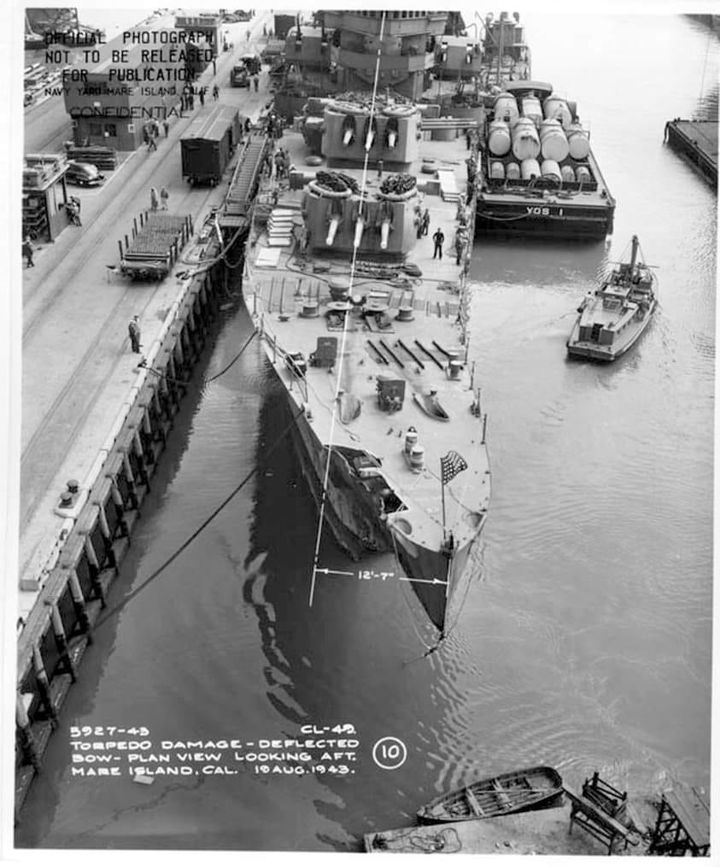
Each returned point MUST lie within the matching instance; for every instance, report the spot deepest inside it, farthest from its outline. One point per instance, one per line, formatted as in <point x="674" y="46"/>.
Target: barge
<point x="537" y="175"/>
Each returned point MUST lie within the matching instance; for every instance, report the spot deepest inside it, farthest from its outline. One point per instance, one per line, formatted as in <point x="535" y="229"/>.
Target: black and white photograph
<point x="359" y="479"/>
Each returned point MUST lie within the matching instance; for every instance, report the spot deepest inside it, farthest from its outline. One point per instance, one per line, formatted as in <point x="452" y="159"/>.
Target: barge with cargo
<point x="537" y="174"/>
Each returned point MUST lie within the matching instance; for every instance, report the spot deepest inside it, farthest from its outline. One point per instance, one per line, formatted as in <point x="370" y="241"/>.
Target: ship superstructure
<point x="362" y="309"/>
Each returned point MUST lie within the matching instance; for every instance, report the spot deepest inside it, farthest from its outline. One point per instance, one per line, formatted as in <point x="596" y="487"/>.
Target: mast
<point x="633" y="257"/>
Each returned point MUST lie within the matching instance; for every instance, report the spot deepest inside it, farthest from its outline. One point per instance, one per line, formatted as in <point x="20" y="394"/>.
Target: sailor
<point x="426" y="222"/>
<point x="438" y="240"/>
<point x="134" y="332"/>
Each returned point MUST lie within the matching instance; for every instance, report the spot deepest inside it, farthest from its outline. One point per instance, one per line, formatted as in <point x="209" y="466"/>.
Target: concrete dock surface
<point x="78" y="370"/>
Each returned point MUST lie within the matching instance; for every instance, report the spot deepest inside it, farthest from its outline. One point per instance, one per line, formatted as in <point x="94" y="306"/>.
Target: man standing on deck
<point x="134" y="332"/>
<point x="439" y="240"/>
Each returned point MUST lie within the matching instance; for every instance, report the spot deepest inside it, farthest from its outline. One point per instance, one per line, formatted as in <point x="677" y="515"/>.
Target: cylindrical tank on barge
<point x="505" y="108"/>
<point x="582" y="175"/>
<point x="497" y="170"/>
<point x="551" y="170"/>
<point x="526" y="142"/>
<point x="530" y="168"/>
<point x="512" y="171"/>
<point x="499" y="141"/>
<point x="555" y="107"/>
<point x="553" y="142"/>
<point x="531" y="108"/>
<point x="568" y="174"/>
<point x="578" y="142"/>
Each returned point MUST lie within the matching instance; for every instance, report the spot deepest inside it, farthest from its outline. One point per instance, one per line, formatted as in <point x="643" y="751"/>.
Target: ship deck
<point x="283" y="284"/>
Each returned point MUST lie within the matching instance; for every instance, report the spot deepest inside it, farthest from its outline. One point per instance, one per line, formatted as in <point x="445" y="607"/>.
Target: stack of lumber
<point x="103" y="158"/>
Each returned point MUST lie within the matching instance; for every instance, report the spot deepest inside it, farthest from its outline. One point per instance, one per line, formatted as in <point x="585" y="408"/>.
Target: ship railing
<point x="278" y="350"/>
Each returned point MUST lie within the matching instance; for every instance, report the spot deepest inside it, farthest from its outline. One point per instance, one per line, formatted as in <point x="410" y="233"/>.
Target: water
<point x="587" y="643"/>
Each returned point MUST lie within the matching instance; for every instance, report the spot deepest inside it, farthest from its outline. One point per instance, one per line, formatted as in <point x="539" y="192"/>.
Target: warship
<point x="356" y="279"/>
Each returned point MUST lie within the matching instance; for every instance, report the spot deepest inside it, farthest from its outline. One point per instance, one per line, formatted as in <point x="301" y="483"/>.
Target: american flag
<point x="451" y="465"/>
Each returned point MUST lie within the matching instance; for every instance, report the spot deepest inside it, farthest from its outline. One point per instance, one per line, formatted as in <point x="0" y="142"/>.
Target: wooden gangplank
<point x="243" y="186"/>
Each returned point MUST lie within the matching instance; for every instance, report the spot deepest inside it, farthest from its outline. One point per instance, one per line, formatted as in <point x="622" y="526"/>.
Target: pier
<point x="697" y="143"/>
<point x="96" y="415"/>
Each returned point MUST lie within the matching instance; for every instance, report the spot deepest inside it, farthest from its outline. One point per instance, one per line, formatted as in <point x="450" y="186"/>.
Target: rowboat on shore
<point x="513" y="792"/>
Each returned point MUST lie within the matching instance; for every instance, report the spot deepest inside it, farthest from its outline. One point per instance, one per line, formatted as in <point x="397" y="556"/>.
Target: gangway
<point x="244" y="184"/>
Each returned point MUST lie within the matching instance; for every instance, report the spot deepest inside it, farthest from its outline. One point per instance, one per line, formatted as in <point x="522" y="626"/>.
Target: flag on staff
<point x="451" y="465"/>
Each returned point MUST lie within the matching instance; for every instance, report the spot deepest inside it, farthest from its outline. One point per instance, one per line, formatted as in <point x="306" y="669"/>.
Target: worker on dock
<point x="164" y="196"/>
<point x="28" y="250"/>
<point x="438" y="240"/>
<point x="153" y="199"/>
<point x="216" y="92"/>
<point x="134" y="332"/>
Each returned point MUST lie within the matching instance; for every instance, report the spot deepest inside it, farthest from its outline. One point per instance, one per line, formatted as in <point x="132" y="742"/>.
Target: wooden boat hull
<point x="577" y="348"/>
<point x="534" y="788"/>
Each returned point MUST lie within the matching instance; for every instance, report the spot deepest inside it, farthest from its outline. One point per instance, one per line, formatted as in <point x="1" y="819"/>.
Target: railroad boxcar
<point x="209" y="143"/>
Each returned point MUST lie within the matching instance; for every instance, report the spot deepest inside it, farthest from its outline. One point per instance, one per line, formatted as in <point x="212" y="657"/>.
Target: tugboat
<point x="612" y="318"/>
<point x="356" y="281"/>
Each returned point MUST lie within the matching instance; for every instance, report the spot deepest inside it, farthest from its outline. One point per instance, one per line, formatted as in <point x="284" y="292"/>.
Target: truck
<point x="248" y="65"/>
<point x="239" y="76"/>
<point x="209" y="143"/>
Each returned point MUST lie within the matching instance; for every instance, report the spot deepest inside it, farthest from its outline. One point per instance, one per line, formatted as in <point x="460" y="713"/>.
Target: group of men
<point x="422" y="227"/>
